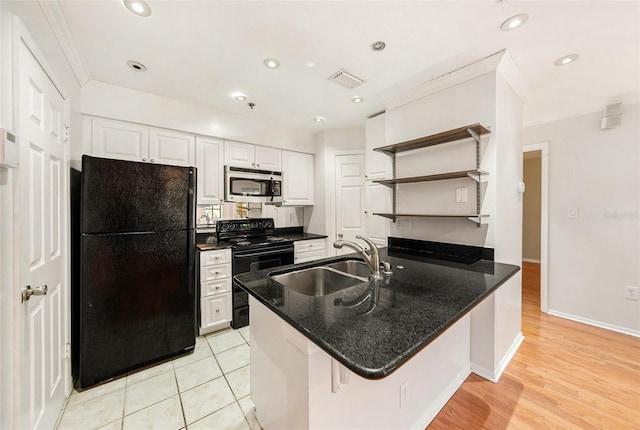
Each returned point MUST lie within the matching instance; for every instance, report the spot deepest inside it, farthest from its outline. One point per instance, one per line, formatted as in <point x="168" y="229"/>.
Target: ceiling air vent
<point x="346" y="79"/>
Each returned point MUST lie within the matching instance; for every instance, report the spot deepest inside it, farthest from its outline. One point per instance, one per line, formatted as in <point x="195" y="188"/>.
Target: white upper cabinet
<point x="268" y="158"/>
<point x="240" y="154"/>
<point x="210" y="173"/>
<point x="125" y="141"/>
<point x="120" y="140"/>
<point x="378" y="164"/>
<point x="171" y="147"/>
<point x="297" y="169"/>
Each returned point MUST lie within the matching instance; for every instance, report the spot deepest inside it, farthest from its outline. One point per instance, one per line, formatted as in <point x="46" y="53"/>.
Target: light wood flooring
<point x="566" y="375"/>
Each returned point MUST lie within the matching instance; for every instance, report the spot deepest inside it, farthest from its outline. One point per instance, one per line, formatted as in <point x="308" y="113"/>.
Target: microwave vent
<point x="346" y="79"/>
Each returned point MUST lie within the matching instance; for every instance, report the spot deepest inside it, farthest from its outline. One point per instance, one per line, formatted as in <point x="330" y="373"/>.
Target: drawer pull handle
<point x="217" y="257"/>
<point x="218" y="287"/>
<point x="217" y="272"/>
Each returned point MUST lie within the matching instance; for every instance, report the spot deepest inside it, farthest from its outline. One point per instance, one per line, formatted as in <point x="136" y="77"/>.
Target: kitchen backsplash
<point x="284" y="216"/>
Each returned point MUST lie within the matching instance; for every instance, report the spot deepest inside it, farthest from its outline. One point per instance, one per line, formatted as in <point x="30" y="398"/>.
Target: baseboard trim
<point x="531" y="260"/>
<point x="599" y="324"/>
<point x="494" y="375"/>
<point x="436" y="406"/>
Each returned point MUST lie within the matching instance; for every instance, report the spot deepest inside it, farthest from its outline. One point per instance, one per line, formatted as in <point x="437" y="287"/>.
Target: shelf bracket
<point x="478" y="220"/>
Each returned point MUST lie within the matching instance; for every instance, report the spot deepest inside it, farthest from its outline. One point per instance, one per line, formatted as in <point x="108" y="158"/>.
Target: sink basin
<point x="352" y="267"/>
<point x="317" y="281"/>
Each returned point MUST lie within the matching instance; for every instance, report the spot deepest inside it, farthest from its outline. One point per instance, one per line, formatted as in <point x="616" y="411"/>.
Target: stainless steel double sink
<point x="327" y="279"/>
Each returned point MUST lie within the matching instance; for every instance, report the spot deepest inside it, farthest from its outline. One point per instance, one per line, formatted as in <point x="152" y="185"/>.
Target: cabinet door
<point x="377" y="199"/>
<point x="210" y="170"/>
<point x="215" y="312"/>
<point x="297" y="170"/>
<point x="268" y="158"/>
<point x="378" y="164"/>
<point x="239" y="154"/>
<point x="171" y="147"/>
<point x="119" y="140"/>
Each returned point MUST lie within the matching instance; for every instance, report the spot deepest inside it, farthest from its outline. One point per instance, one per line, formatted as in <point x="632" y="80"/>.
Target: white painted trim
<point x="446" y="80"/>
<point x="494" y="375"/>
<point x="436" y="406"/>
<point x="599" y="324"/>
<point x="60" y="27"/>
<point x="330" y="212"/>
<point x="544" y="221"/>
<point x="530" y="260"/>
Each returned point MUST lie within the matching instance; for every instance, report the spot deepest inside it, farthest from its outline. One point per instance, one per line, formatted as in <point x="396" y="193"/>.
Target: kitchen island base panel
<point x="292" y="385"/>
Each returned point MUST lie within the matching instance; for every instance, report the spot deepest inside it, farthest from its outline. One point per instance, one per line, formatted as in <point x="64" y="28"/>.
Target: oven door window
<point x="250" y="187"/>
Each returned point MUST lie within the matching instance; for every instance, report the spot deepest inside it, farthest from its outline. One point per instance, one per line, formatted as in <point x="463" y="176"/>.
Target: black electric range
<point x="253" y="247"/>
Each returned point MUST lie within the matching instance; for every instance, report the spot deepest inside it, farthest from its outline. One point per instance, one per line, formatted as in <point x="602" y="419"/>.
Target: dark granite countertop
<point x="385" y="322"/>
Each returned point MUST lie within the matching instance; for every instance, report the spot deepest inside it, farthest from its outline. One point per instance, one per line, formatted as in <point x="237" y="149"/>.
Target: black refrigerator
<point x="134" y="299"/>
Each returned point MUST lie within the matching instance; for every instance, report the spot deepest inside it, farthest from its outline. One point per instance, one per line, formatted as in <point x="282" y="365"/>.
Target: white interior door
<point x="350" y="194"/>
<point x="43" y="177"/>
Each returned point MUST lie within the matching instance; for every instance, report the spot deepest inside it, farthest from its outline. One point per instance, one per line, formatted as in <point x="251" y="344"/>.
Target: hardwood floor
<point x="566" y="375"/>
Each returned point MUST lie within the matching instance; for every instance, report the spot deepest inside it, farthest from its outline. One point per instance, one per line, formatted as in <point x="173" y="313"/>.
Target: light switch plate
<point x="461" y="195"/>
<point x="573" y="213"/>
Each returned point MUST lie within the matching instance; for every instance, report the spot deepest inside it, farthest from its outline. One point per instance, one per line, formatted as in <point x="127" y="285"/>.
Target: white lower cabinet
<point x="215" y="290"/>
<point x="309" y="250"/>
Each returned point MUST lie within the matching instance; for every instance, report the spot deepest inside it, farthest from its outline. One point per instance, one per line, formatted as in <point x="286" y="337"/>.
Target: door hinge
<point x="65" y="134"/>
<point x="67" y="350"/>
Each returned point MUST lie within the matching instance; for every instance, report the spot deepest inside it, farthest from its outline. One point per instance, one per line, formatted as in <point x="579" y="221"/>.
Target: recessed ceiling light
<point x="271" y="63"/>
<point x="310" y="64"/>
<point x="357" y="99"/>
<point x="319" y="119"/>
<point x="139" y="7"/>
<point x="138" y="67"/>
<point x="563" y="61"/>
<point x="514" y="22"/>
<point x="378" y="46"/>
<point x="239" y="97"/>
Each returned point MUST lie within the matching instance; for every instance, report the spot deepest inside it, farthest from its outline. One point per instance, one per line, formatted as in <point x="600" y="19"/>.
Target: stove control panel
<point x="246" y="226"/>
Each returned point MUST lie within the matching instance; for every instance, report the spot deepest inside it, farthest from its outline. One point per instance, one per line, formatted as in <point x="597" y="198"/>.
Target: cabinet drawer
<point x="211" y="273"/>
<point x="309" y="245"/>
<point x="215" y="287"/>
<point x="217" y="256"/>
<point x="303" y="257"/>
<point x="215" y="312"/>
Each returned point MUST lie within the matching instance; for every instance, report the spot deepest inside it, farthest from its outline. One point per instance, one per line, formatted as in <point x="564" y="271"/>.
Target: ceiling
<point x="203" y="51"/>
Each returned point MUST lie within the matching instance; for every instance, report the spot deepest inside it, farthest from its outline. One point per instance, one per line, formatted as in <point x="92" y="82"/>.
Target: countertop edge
<point x="403" y="358"/>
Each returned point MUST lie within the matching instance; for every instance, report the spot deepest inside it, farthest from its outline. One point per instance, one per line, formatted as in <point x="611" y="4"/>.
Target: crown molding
<point x="55" y="16"/>
<point x="500" y="61"/>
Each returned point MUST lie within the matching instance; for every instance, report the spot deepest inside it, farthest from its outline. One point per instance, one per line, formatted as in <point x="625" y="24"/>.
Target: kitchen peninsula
<point x="380" y="354"/>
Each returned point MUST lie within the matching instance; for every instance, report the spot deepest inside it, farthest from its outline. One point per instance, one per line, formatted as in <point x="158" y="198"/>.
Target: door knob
<point x="27" y="292"/>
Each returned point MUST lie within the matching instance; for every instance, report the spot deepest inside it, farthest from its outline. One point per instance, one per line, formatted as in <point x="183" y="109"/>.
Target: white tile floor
<point x="208" y="389"/>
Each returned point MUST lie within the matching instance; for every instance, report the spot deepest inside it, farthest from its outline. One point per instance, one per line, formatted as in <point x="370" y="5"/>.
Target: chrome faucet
<point x="371" y="257"/>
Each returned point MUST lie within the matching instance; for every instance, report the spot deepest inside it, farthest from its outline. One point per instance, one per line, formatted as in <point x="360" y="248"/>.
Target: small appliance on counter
<point x="134" y="301"/>
<point x="254" y="247"/>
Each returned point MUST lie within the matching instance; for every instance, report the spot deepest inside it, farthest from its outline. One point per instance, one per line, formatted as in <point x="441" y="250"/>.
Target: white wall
<point x="463" y="104"/>
<point x="592" y="257"/>
<point x="490" y="100"/>
<point x="10" y="347"/>
<point x="111" y="101"/>
<point x="320" y="218"/>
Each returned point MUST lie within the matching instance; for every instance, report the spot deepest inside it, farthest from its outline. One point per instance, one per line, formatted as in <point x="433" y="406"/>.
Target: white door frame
<point x="20" y="34"/>
<point x="544" y="221"/>
<point x="331" y="201"/>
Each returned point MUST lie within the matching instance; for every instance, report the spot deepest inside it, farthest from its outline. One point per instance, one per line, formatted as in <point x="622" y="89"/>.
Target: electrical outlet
<point x="404" y="224"/>
<point x="404" y="394"/>
<point x="630" y="293"/>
